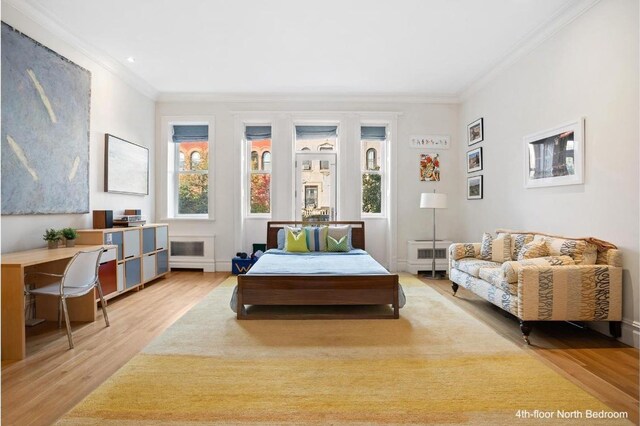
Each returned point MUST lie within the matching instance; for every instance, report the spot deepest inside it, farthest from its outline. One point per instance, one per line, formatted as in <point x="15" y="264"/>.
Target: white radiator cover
<point x="188" y="251"/>
<point x="420" y="256"/>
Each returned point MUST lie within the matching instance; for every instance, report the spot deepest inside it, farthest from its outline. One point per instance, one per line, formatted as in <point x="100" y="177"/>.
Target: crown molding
<point x="306" y="97"/>
<point x="40" y="16"/>
<point x="572" y="10"/>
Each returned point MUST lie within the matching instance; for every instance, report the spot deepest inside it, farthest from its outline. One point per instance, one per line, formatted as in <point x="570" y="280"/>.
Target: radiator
<point x="420" y="255"/>
<point x="188" y="251"/>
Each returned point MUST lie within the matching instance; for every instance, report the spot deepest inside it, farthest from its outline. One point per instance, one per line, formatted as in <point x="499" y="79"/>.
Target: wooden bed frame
<point x="259" y="289"/>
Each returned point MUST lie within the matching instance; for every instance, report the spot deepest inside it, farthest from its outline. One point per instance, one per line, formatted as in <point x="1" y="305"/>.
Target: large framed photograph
<point x="475" y="132"/>
<point x="474" y="160"/>
<point x="474" y="188"/>
<point x="555" y="157"/>
<point x="126" y="167"/>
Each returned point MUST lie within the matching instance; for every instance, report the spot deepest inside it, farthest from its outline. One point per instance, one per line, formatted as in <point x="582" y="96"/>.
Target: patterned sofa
<point x="556" y="278"/>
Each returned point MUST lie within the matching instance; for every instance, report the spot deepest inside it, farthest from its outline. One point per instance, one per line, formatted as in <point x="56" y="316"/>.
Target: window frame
<point x="260" y="170"/>
<point x="176" y="179"/>
<point x="167" y="182"/>
<point x="381" y="158"/>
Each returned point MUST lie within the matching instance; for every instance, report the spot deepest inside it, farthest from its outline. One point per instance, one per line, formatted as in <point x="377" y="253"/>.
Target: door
<point x="315" y="194"/>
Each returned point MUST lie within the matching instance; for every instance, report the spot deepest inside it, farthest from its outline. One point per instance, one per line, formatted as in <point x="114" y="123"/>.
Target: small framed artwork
<point x="474" y="188"/>
<point x="429" y="167"/>
<point x="475" y="132"/>
<point x="555" y="157"/>
<point x="474" y="160"/>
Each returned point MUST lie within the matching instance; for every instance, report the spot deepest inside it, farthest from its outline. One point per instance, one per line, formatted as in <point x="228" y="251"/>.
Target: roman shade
<point x="316" y="132"/>
<point x="190" y="133"/>
<point x="256" y="133"/>
<point x="373" y="133"/>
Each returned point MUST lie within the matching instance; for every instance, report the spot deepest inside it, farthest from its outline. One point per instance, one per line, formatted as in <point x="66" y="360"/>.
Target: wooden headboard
<point x="357" y="231"/>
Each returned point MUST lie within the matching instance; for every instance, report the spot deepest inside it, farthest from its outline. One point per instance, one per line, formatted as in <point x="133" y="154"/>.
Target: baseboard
<point x="223" y="265"/>
<point x="630" y="331"/>
<point x="401" y="265"/>
<point x="205" y="266"/>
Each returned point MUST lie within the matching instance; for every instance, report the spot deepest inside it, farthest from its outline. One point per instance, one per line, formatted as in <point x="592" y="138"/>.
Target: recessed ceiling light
<point x="131" y="59"/>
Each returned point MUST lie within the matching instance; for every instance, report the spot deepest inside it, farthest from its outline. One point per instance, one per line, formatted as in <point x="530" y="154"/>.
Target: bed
<point x="270" y="283"/>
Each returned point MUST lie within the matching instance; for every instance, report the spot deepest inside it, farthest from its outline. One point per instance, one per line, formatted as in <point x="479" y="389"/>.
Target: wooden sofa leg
<point x="454" y="286"/>
<point x="525" y="327"/>
<point x="615" y="328"/>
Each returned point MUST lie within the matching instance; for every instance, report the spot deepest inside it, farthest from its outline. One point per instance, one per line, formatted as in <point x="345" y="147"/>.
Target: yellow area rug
<point x="435" y="365"/>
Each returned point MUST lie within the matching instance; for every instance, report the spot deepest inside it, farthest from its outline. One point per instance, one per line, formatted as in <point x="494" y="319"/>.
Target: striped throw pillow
<point x="496" y="249"/>
<point x="532" y="250"/>
<point x="317" y="237"/>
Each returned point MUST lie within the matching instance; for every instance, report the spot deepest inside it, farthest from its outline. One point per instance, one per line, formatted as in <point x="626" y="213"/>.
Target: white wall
<point x="116" y="108"/>
<point x="589" y="69"/>
<point x="413" y="118"/>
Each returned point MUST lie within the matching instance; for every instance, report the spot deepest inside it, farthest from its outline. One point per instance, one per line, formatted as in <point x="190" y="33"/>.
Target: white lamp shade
<point x="431" y="200"/>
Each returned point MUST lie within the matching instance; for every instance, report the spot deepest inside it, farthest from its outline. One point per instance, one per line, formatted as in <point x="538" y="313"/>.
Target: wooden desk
<point x="14" y="266"/>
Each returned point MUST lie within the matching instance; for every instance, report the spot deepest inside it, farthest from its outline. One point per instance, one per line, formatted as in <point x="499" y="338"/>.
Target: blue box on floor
<point x="241" y="266"/>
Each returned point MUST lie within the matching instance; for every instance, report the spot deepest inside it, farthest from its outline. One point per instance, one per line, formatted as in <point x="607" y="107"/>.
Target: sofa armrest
<point x="461" y="250"/>
<point x="570" y="293"/>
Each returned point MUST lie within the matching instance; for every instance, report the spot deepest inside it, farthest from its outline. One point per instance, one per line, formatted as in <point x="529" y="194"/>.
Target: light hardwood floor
<point x="597" y="363"/>
<point x="52" y="379"/>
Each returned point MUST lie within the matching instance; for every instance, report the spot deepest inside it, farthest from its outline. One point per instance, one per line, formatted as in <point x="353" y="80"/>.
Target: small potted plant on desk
<point x="52" y="237"/>
<point x="70" y="236"/>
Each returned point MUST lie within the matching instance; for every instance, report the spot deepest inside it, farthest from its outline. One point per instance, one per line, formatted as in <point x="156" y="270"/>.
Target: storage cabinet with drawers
<point x="142" y="255"/>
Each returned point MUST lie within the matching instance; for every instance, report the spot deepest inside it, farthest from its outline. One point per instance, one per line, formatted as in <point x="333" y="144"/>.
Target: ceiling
<point x="381" y="47"/>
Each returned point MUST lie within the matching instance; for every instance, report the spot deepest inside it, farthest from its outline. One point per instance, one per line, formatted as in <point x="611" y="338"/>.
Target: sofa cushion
<point x="532" y="250"/>
<point x="496" y="249"/>
<point x="495" y="277"/>
<point x="512" y="268"/>
<point x="517" y="242"/>
<point x="582" y="252"/>
<point x="472" y="266"/>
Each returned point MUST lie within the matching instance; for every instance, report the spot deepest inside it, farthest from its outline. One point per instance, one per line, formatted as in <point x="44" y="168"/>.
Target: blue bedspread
<point x="354" y="262"/>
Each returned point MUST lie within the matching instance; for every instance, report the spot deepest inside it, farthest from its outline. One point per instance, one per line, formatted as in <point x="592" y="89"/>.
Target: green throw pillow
<point x="297" y="242"/>
<point x="337" y="245"/>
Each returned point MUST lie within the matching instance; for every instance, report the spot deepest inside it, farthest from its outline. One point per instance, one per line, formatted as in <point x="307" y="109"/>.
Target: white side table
<point x="420" y="256"/>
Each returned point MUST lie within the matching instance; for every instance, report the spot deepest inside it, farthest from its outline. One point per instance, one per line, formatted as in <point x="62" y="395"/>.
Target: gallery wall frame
<point x="474" y="160"/>
<point x="475" y="187"/>
<point x="555" y="157"/>
<point x="126" y="168"/>
<point x="475" y="131"/>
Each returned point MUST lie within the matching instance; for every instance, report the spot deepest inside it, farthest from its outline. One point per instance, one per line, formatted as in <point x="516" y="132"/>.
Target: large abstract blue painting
<point x="45" y="129"/>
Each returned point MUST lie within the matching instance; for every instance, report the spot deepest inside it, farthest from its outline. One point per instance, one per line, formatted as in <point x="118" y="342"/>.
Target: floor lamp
<point x="433" y="201"/>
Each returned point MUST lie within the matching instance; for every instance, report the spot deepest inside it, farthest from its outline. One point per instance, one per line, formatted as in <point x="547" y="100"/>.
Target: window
<point x="324" y="165"/>
<point x="258" y="139"/>
<point x="306" y="164"/>
<point x="196" y="158"/>
<point x="373" y="139"/>
<point x="371" y="159"/>
<point x="311" y="196"/>
<point x="191" y="141"/>
<point x="266" y="161"/>
<point x="254" y="161"/>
